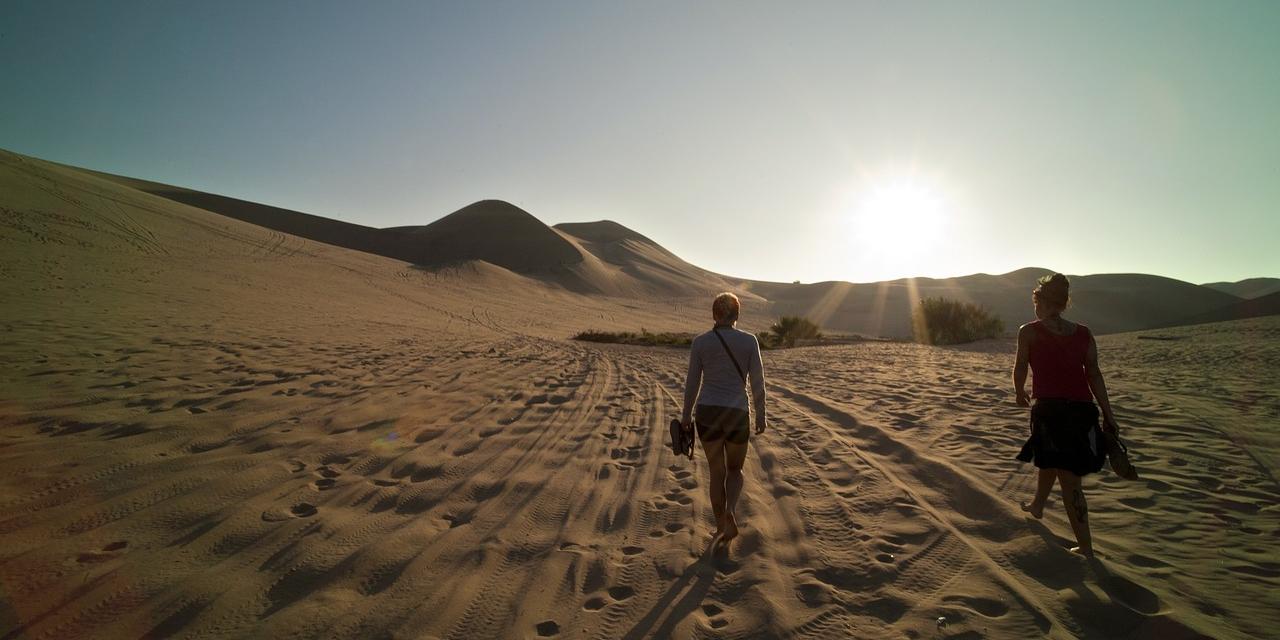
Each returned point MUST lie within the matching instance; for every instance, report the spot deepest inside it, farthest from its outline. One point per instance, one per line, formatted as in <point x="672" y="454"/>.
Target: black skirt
<point x="1065" y="434"/>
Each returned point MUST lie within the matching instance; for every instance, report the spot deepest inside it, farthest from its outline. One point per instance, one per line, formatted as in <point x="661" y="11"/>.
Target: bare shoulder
<point x="1026" y="330"/>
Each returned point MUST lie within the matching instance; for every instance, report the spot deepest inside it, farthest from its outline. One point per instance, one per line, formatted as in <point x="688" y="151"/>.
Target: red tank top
<point x="1057" y="364"/>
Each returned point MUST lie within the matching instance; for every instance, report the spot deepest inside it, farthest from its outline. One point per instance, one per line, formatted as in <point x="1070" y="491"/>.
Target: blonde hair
<point x="725" y="308"/>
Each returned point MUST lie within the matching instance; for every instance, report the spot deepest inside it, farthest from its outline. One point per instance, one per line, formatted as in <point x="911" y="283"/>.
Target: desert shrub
<point x="767" y="340"/>
<point x="943" y="321"/>
<point x="643" y="338"/>
<point x="788" y="329"/>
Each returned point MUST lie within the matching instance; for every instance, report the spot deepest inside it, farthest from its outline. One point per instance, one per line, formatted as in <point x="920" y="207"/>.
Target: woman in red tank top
<point x="1066" y="442"/>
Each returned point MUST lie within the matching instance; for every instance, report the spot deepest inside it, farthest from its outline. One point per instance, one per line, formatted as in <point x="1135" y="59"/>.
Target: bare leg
<point x="1044" y="484"/>
<point x="715" y="461"/>
<point x="1077" y="511"/>
<point x="735" y="456"/>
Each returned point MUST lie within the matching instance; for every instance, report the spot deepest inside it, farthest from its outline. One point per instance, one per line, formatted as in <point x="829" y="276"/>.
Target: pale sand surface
<point x="209" y="429"/>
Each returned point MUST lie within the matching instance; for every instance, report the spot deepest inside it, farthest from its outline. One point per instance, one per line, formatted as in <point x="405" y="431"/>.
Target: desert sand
<point x="209" y="428"/>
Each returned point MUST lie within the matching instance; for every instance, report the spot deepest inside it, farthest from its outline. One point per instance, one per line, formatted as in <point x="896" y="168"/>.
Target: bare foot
<point x="1031" y="508"/>
<point x="730" y="528"/>
<point x="1088" y="553"/>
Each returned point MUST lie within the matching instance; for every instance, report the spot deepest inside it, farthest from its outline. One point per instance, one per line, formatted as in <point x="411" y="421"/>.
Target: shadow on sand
<point x="1104" y="602"/>
<point x="695" y="582"/>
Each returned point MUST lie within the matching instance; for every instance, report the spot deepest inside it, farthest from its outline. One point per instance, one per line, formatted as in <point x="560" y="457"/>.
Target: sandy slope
<point x="608" y="259"/>
<point x="605" y="258"/>
<point x="1108" y="303"/>
<point x="1248" y="288"/>
<point x="209" y="429"/>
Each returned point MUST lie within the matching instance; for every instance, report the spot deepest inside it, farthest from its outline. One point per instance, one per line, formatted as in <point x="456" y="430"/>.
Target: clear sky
<point x="783" y="141"/>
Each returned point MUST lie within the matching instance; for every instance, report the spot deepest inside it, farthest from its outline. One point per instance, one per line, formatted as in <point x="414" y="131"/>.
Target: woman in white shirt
<point x="721" y="362"/>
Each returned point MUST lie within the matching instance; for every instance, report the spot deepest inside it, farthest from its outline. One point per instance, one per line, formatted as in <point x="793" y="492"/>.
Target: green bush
<point x="643" y="338"/>
<point x="767" y="340"/>
<point x="788" y="329"/>
<point x="942" y="321"/>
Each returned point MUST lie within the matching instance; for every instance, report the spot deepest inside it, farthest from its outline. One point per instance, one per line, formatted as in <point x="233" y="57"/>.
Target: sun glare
<point x="899" y="217"/>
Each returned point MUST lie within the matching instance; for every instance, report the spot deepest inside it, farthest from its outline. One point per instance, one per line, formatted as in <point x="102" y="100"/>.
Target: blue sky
<point x="781" y="141"/>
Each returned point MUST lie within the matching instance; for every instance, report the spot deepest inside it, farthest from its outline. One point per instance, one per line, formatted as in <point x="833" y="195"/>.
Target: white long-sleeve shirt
<point x="712" y="378"/>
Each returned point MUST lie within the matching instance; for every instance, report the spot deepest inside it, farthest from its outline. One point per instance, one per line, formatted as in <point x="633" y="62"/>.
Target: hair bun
<point x="1054" y="288"/>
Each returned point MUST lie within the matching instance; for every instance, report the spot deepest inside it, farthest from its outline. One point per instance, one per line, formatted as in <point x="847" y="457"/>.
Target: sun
<point x="900" y="216"/>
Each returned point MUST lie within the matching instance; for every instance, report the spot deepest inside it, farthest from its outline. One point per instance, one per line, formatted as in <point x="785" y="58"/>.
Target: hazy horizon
<point x="815" y="142"/>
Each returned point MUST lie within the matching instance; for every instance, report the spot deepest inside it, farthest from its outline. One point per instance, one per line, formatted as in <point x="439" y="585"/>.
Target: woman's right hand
<point x="1023" y="399"/>
<point x="1111" y="426"/>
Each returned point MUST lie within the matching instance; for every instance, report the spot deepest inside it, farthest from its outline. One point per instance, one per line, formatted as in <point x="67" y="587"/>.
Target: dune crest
<point x="606" y="258"/>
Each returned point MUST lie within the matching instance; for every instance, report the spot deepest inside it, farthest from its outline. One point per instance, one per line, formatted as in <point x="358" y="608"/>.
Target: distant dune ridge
<point x="211" y="427"/>
<point x="1248" y="288"/>
<point x="607" y="258"/>
<point x="1267" y="305"/>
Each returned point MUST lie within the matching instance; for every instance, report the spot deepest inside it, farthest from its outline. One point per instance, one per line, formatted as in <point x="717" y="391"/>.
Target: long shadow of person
<point x="1128" y="605"/>
<point x="694" y="582"/>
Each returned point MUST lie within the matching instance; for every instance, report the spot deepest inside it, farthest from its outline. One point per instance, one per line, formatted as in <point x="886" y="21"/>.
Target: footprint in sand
<point x="985" y="606"/>
<point x="107" y="552"/>
<point x="595" y="603"/>
<point x="621" y="593"/>
<point x="1147" y="562"/>
<point x="1132" y="595"/>
<point x="548" y="628"/>
<point x="326" y="472"/>
<point x="632" y="551"/>
<point x="457" y="520"/>
<point x="324" y="484"/>
<point x="303" y="510"/>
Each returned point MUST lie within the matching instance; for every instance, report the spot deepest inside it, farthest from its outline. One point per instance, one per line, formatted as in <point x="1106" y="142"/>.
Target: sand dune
<point x="494" y="231"/>
<point x="1267" y="305"/>
<point x="1248" y="288"/>
<point x="1108" y="303"/>
<point x="619" y="262"/>
<point x="209" y="428"/>
<point x="645" y="261"/>
<point x="609" y="259"/>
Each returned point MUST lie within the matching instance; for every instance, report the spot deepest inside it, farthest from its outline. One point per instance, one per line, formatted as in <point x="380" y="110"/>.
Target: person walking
<point x="1066" y="442"/>
<point x="721" y="362"/>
